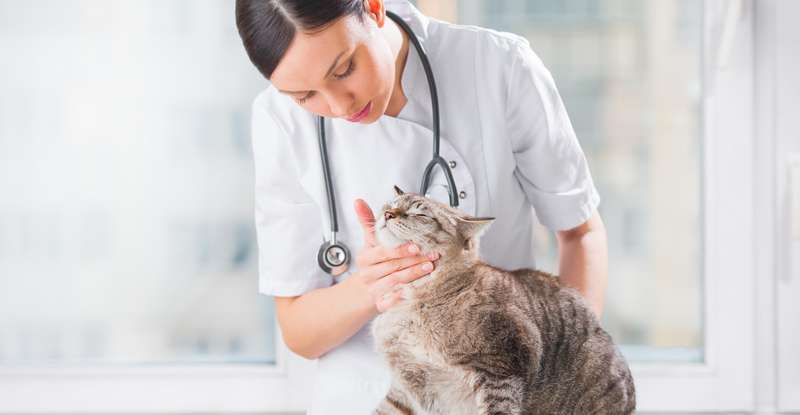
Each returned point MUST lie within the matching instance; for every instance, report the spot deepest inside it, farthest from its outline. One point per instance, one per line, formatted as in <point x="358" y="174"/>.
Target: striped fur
<point x="471" y="338"/>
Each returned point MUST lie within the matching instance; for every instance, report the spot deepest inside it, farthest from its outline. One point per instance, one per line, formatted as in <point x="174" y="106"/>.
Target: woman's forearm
<point x="583" y="264"/>
<point x="324" y="318"/>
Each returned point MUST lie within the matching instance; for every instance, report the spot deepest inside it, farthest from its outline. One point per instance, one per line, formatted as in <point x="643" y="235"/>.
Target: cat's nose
<point x="388" y="215"/>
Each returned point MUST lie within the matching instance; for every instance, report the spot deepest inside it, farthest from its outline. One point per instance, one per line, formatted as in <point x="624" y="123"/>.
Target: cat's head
<point x="432" y="225"/>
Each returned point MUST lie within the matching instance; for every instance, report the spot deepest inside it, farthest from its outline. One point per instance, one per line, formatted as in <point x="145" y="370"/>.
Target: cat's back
<point x="522" y="287"/>
<point x="559" y="314"/>
<point x="576" y="355"/>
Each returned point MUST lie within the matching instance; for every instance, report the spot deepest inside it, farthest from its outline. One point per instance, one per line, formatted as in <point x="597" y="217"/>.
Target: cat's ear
<point x="471" y="227"/>
<point x="397" y="191"/>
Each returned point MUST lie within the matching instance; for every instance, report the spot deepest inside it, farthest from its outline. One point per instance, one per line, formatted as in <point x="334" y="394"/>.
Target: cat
<point x="470" y="338"/>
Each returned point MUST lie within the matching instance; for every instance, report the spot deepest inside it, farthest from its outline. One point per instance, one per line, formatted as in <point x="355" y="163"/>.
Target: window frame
<point x="225" y="388"/>
<point x="781" y="63"/>
<point x="723" y="382"/>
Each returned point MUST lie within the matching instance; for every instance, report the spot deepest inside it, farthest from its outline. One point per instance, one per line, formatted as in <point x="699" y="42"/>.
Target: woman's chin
<point x="387" y="239"/>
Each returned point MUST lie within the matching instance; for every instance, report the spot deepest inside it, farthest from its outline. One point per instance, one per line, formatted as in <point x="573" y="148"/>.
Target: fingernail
<point x="427" y="267"/>
<point x="433" y="255"/>
<point x="413" y="249"/>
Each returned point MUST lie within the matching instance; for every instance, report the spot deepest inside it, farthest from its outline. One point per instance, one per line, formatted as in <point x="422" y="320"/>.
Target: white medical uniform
<point x="504" y="130"/>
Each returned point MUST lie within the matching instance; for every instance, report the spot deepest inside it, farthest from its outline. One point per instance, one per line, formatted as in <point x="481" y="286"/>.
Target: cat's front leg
<point x="498" y="395"/>
<point x="395" y="402"/>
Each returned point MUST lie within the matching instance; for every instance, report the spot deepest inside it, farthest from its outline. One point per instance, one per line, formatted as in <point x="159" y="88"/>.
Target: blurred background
<point x="126" y="229"/>
<point x="126" y="224"/>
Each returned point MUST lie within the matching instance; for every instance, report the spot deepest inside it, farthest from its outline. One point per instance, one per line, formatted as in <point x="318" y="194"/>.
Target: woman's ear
<point x="377" y="10"/>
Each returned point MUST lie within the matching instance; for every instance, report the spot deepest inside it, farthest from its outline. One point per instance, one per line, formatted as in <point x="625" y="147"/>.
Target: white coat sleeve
<point x="550" y="165"/>
<point x="287" y="219"/>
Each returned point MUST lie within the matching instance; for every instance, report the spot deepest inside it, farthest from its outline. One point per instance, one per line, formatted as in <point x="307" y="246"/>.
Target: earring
<point x="376" y="6"/>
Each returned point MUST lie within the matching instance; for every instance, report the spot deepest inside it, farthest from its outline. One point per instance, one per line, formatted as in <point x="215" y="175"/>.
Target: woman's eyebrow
<point x="333" y="66"/>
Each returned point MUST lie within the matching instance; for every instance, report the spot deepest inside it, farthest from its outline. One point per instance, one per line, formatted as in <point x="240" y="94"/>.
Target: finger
<point x="395" y="281"/>
<point x="404" y="276"/>
<point x="378" y="271"/>
<point x="380" y="253"/>
<point x="389" y="291"/>
<point x="367" y="220"/>
<point x="411" y="273"/>
<point x="388" y="300"/>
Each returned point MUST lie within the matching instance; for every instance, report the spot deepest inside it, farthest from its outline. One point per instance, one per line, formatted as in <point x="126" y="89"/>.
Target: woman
<point x="504" y="132"/>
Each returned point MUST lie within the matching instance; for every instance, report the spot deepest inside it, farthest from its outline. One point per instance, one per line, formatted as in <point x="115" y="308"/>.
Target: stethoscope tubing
<point x="342" y="253"/>
<point x="326" y="172"/>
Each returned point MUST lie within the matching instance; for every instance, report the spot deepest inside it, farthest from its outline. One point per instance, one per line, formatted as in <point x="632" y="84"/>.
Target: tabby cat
<point x="471" y="338"/>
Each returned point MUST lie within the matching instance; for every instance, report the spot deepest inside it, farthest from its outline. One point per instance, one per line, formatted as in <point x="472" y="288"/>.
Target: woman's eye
<point x="305" y="98"/>
<point x="350" y="68"/>
<point x="347" y="72"/>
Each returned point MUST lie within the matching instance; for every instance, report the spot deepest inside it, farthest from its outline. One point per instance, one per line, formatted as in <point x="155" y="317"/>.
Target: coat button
<point x="452" y="164"/>
<point x="462" y="194"/>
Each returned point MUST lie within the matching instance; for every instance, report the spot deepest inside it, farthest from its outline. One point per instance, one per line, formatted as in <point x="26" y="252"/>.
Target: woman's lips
<point x="361" y="114"/>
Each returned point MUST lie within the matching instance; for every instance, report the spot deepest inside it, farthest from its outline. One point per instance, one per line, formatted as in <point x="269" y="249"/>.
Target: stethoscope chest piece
<point x="332" y="255"/>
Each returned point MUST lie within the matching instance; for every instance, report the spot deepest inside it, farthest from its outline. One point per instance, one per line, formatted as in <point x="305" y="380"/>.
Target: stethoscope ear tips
<point x="333" y="258"/>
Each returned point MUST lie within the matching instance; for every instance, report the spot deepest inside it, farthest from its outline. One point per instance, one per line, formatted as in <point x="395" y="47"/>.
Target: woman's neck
<point x="398" y="39"/>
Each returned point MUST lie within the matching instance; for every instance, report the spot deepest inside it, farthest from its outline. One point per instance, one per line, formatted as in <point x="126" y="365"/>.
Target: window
<point x="630" y="74"/>
<point x="127" y="245"/>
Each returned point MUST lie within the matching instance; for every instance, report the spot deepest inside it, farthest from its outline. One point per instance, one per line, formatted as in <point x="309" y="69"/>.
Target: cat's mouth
<point x="385" y="235"/>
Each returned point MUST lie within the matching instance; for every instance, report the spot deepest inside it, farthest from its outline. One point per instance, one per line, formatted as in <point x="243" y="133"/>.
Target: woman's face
<point x="362" y="78"/>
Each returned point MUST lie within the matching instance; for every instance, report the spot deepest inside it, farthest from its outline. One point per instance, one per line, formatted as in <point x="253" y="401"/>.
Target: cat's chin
<point x="386" y="238"/>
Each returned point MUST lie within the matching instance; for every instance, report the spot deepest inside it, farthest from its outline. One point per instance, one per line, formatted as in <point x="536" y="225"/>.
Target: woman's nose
<point x="340" y="111"/>
<point x="341" y="104"/>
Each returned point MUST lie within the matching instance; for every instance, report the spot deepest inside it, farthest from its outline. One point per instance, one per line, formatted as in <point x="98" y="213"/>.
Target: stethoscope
<point x="333" y="253"/>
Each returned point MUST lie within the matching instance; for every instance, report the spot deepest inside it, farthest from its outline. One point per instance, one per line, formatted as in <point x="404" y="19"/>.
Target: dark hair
<point x="267" y="27"/>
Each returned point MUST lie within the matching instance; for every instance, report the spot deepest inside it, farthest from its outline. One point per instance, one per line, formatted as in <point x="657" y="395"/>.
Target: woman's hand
<point x="384" y="271"/>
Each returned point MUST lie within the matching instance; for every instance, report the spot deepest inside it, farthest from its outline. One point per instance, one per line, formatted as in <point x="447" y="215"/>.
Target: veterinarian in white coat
<point x="504" y="132"/>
